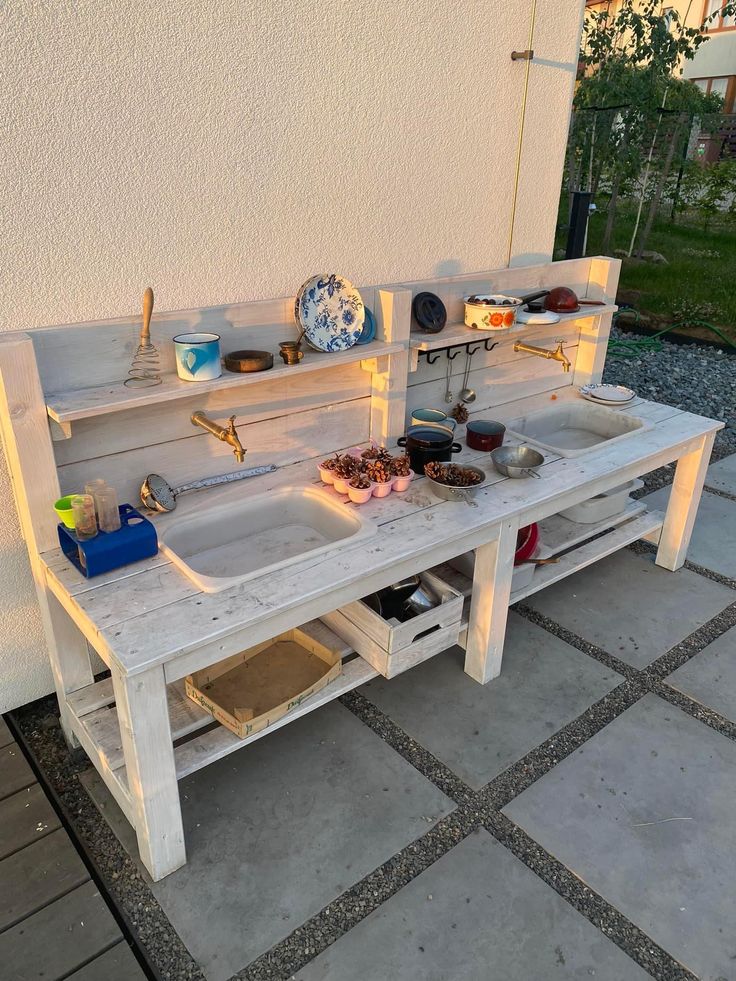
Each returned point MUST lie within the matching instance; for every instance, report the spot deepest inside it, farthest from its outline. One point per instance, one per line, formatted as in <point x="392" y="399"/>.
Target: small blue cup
<point x="197" y="356"/>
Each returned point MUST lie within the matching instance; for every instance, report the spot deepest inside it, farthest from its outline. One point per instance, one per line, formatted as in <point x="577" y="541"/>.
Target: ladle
<point x="448" y="390"/>
<point x="467" y="394"/>
<point x="157" y="494"/>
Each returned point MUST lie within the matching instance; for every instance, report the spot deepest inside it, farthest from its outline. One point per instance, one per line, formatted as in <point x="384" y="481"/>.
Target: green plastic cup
<point x="63" y="508"/>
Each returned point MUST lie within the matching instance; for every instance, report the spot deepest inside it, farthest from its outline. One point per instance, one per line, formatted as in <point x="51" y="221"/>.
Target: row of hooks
<point x="488" y="344"/>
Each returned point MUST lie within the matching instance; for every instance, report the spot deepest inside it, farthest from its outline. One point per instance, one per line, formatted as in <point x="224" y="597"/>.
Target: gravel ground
<point x="696" y="379"/>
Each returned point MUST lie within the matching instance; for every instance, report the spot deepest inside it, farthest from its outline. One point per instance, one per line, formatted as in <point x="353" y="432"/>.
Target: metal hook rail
<point x="488" y="344"/>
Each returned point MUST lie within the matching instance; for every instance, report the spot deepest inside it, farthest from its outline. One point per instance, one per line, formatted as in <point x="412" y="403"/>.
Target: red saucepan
<point x="561" y="299"/>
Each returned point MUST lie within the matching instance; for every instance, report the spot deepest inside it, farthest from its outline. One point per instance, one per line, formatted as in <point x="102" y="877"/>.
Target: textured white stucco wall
<point x="224" y="151"/>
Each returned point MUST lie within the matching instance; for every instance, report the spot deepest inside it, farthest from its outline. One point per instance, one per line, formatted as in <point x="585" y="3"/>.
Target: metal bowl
<point x="516" y="461"/>
<point x="449" y="493"/>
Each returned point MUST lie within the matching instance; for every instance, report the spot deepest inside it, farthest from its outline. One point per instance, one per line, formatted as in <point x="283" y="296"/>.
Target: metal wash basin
<point x="227" y="544"/>
<point x="575" y="428"/>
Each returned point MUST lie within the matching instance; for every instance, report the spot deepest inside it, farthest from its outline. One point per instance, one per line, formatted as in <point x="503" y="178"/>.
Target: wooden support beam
<point x="682" y="509"/>
<point x="494" y="567"/>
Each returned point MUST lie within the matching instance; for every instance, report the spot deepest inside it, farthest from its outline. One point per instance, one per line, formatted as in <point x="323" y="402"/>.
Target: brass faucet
<point x="228" y="434"/>
<point x="557" y="355"/>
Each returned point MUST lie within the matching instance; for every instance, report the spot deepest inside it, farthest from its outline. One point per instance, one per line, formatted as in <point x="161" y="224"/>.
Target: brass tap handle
<point x="231" y="427"/>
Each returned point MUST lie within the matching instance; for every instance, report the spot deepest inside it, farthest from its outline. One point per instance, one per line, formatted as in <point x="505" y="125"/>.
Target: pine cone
<point x="460" y="413"/>
<point x="399" y="466"/>
<point x="378" y="471"/>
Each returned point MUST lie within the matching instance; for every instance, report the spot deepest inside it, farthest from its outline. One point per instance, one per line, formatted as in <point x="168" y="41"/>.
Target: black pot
<point x="426" y="443"/>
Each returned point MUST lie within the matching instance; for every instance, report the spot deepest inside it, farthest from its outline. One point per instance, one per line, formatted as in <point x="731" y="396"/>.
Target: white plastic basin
<point x="227" y="544"/>
<point x="575" y="427"/>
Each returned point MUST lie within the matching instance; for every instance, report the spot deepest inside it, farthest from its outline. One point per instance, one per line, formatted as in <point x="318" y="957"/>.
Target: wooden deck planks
<point x="60" y="938"/>
<point x="53" y="920"/>
<point x="15" y="773"/>
<point x="5" y="734"/>
<point x="25" y="817"/>
<point x="37" y="875"/>
<point x="116" y="964"/>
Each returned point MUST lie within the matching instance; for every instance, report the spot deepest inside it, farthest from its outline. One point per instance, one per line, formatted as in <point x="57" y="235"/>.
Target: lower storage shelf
<point x="198" y="739"/>
<point x="391" y="646"/>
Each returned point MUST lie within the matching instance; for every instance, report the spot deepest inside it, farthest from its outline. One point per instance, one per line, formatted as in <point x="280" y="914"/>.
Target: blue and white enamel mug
<point x="197" y="357"/>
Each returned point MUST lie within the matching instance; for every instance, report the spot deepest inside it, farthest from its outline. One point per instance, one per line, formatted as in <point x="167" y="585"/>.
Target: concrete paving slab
<point x="713" y="544"/>
<point x="480" y="730"/>
<point x="710" y="677"/>
<point x="722" y="475"/>
<point x="276" y="832"/>
<point x="643" y="813"/>
<point x="477" y="913"/>
<point x="631" y="608"/>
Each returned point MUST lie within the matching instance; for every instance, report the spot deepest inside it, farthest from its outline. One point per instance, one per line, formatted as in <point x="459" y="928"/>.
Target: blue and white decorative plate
<point x="330" y="311"/>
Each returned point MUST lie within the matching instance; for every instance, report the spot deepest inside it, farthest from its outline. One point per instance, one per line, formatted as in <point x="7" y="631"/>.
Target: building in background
<point x="714" y="67"/>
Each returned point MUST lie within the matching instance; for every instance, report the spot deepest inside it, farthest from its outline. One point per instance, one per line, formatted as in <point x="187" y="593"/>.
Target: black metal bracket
<point x="433" y="356"/>
<point x="527" y="55"/>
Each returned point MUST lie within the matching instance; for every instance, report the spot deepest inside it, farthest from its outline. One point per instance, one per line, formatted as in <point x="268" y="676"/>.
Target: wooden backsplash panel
<point x="497" y="376"/>
<point x="122" y="431"/>
<point x="281" y="440"/>
<point x="94" y="354"/>
<point x="493" y="386"/>
<point x="574" y="273"/>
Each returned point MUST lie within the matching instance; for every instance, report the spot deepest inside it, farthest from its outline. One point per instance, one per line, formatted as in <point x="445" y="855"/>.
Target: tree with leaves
<point x="632" y="115"/>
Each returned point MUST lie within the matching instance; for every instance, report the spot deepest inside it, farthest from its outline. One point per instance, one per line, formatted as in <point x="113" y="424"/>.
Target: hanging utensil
<point x="145" y="370"/>
<point x="448" y="392"/>
<point x="467" y="394"/>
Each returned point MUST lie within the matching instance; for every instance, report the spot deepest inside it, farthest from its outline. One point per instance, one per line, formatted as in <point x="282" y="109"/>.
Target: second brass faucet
<point x="557" y="355"/>
<point x="228" y="434"/>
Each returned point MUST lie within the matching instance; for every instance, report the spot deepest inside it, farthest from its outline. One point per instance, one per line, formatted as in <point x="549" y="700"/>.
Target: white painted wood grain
<point x="682" y="508"/>
<point x="283" y="440"/>
<point x="109" y="346"/>
<point x="286" y="597"/>
<point x="162" y="423"/>
<point x="142" y="714"/>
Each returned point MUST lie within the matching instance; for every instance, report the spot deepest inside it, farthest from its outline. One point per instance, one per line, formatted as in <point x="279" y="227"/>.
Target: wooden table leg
<point x="149" y="762"/>
<point x="683" y="505"/>
<point x="69" y="656"/>
<point x="489" y="606"/>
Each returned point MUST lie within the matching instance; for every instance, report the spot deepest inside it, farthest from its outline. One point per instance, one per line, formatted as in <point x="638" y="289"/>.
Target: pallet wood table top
<point x="151" y="613"/>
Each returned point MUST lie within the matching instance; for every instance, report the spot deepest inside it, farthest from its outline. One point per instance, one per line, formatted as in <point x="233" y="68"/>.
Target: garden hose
<point x="632" y="348"/>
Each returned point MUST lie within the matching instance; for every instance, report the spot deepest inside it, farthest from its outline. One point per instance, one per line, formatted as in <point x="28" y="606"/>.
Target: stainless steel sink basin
<point x="227" y="544"/>
<point x="575" y="427"/>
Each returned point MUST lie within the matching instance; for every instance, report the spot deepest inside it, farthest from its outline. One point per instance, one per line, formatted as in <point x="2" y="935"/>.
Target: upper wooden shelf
<point x="67" y="407"/>
<point x="458" y="333"/>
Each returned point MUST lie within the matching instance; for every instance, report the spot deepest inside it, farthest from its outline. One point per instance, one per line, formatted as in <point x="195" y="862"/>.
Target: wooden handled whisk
<point x="145" y="370"/>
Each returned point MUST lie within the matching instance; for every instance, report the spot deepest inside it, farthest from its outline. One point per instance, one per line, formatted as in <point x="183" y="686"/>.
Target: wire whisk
<point x="145" y="370"/>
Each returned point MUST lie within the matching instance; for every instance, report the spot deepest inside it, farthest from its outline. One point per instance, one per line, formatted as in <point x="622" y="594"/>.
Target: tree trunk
<point x="657" y="199"/>
<point x="613" y="203"/>
<point x="611" y="216"/>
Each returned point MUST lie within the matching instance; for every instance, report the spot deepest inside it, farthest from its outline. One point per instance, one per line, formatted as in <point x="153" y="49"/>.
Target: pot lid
<point x="430" y="435"/>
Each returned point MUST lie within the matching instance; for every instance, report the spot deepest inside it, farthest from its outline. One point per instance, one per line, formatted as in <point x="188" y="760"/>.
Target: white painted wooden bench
<point x="152" y="626"/>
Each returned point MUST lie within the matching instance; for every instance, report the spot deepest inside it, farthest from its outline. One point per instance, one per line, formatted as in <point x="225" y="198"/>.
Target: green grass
<point x="691" y="286"/>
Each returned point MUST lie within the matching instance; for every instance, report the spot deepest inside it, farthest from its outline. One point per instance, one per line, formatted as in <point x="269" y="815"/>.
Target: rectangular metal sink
<point x="575" y="427"/>
<point x="227" y="544"/>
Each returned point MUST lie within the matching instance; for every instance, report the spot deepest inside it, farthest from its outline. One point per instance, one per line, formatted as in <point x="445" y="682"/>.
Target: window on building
<point x="720" y="22"/>
<point x="725" y="86"/>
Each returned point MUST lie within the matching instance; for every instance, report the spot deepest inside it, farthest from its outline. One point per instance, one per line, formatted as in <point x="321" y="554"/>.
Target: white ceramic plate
<point x="330" y="311"/>
<point x="607" y="394"/>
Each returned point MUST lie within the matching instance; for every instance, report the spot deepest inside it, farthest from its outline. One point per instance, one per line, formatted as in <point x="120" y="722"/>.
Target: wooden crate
<point x="391" y="646"/>
<point x="251" y="690"/>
